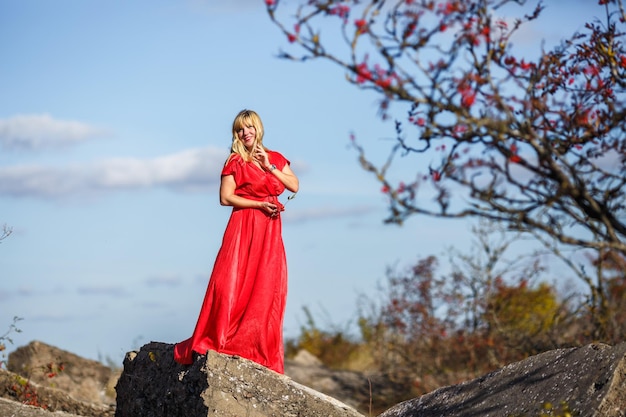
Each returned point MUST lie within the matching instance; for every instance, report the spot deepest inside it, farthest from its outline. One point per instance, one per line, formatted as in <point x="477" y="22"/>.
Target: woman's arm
<point x="285" y="175"/>
<point x="229" y="198"/>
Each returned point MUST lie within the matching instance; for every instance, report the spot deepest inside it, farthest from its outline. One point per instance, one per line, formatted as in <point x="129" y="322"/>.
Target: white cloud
<point x="113" y="291"/>
<point x="35" y="132"/>
<point x="325" y="213"/>
<point x="164" y="281"/>
<point x="188" y="170"/>
<point x="56" y="317"/>
<point x="230" y="7"/>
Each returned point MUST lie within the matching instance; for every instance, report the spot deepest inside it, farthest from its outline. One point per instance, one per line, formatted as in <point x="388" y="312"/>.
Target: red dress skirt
<point x="244" y="305"/>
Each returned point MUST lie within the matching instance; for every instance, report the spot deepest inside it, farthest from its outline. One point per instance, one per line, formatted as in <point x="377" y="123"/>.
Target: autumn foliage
<point x="430" y="326"/>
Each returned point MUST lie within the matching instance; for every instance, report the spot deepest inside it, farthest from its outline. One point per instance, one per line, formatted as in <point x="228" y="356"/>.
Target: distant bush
<point x="334" y="348"/>
<point x="425" y="328"/>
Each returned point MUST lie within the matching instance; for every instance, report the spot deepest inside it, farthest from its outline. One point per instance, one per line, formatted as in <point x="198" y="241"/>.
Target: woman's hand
<point x="261" y="157"/>
<point x="271" y="208"/>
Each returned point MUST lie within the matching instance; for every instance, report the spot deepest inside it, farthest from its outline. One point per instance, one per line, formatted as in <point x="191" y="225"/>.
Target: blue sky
<point x="114" y="123"/>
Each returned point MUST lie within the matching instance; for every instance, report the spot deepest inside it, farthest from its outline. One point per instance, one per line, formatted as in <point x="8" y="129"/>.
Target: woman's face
<point x="247" y="135"/>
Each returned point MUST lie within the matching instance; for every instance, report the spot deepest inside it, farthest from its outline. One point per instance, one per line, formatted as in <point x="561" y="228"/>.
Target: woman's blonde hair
<point x="246" y="118"/>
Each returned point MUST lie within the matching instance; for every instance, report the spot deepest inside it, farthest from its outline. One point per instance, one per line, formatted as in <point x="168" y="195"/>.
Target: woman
<point x="243" y="309"/>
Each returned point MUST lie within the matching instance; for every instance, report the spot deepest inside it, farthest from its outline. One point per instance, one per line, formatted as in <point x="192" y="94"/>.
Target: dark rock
<point x="152" y="384"/>
<point x="590" y="380"/>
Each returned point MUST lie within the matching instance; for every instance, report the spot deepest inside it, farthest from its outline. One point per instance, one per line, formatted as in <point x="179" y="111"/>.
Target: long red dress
<point x="244" y="305"/>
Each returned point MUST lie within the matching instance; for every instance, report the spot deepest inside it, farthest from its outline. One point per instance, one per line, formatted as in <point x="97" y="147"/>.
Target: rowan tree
<point x="536" y="143"/>
<point x="529" y="140"/>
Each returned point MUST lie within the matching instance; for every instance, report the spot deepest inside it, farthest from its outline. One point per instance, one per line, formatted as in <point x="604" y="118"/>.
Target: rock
<point x="15" y="409"/>
<point x="367" y="393"/>
<point x="591" y="380"/>
<point x="20" y="391"/>
<point x="305" y="358"/>
<point x="153" y="384"/>
<point x="83" y="379"/>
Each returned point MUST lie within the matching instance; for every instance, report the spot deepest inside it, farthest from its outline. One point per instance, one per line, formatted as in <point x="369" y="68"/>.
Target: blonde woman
<point x="244" y="305"/>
